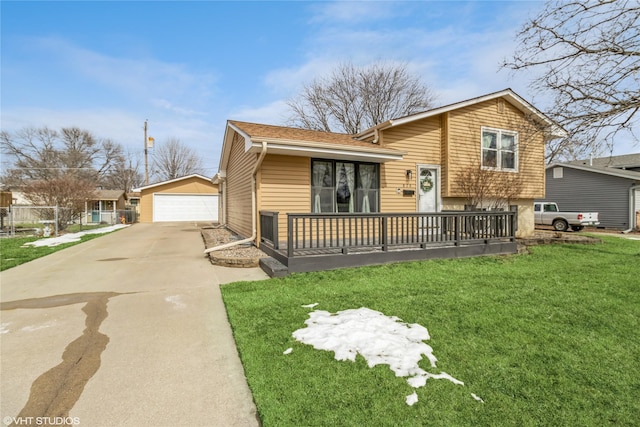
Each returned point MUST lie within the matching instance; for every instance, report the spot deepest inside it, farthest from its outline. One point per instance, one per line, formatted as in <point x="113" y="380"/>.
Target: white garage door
<point x="185" y="207"/>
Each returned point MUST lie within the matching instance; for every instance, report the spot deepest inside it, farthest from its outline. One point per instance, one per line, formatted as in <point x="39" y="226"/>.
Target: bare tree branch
<point x="588" y="55"/>
<point x="354" y="98"/>
<point x="43" y="154"/>
<point x="173" y="159"/>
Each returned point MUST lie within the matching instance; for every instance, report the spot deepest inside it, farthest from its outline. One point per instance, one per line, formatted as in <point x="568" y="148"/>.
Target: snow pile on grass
<point x="378" y="338"/>
<point x="73" y="237"/>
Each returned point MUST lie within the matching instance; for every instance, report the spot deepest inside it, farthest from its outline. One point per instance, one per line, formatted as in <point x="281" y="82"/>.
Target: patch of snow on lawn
<point x="412" y="398"/>
<point x="73" y="237"/>
<point x="478" y="398"/>
<point x="378" y="338"/>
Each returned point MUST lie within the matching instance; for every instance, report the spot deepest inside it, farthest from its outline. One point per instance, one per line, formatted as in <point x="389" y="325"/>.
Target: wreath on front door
<point x="426" y="182"/>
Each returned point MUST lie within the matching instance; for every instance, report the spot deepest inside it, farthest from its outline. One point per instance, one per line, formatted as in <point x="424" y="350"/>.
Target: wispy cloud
<point x="272" y="113"/>
<point x="142" y="78"/>
<point x="352" y="12"/>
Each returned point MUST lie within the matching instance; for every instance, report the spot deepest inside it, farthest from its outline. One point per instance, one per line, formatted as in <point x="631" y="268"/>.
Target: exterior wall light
<point x="409" y="174"/>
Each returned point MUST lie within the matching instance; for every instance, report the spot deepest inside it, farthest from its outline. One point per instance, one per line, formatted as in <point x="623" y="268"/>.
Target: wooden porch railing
<point x="269" y="228"/>
<point x="308" y="232"/>
<point x="321" y="241"/>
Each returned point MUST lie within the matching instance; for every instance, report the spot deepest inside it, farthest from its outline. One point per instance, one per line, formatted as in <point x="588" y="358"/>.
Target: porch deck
<point x="328" y="241"/>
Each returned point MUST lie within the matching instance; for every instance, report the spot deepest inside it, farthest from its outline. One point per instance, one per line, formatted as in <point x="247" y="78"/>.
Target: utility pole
<point x="146" y="162"/>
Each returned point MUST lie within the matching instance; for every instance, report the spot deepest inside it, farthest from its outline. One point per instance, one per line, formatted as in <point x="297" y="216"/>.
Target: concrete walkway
<point x="128" y="329"/>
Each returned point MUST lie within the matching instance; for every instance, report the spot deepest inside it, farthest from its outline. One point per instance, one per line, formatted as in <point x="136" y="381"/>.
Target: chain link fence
<point x="50" y="220"/>
<point x="29" y="220"/>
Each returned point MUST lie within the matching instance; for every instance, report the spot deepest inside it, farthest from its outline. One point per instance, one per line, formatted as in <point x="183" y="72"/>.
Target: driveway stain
<point x="54" y="393"/>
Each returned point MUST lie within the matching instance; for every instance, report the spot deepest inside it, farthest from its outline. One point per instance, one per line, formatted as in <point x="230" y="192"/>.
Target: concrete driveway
<point x="128" y="329"/>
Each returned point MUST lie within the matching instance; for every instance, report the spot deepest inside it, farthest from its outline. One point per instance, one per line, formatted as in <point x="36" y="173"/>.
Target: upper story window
<point x="343" y="186"/>
<point x="499" y="149"/>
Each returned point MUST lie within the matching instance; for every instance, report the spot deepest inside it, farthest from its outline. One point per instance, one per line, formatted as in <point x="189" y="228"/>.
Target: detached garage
<point x="190" y="198"/>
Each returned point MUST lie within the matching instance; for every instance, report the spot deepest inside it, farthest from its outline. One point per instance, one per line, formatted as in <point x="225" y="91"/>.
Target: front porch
<point x="317" y="242"/>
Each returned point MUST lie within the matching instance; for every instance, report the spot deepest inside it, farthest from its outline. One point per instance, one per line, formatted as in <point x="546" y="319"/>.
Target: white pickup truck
<point x="547" y="213"/>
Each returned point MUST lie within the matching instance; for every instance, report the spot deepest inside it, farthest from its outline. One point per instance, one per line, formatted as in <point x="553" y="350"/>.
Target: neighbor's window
<point x="499" y="149"/>
<point x="342" y="186"/>
<point x="557" y="172"/>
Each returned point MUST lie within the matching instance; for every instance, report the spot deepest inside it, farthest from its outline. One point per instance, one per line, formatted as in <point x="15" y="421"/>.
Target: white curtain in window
<point x="366" y="179"/>
<point x="319" y="170"/>
<point x="489" y="140"/>
<point x="350" y="171"/>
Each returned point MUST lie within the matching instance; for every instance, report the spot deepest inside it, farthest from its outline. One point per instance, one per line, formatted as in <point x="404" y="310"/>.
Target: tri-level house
<point x="395" y="191"/>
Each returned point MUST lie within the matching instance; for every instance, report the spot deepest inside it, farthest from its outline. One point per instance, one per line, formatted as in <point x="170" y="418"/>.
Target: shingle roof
<point x="257" y="131"/>
<point x="108" y="194"/>
<point x="620" y="162"/>
<point x="600" y="169"/>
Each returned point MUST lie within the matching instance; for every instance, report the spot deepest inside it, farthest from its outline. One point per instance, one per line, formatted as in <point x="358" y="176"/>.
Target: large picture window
<point x="342" y="186"/>
<point x="499" y="149"/>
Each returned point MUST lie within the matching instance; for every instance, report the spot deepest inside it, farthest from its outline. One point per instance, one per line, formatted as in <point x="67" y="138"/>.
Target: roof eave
<point x="328" y="150"/>
<point x="169" y="181"/>
<point x="631" y="175"/>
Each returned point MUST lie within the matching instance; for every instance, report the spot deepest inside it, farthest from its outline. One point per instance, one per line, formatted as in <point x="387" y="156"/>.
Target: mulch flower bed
<point x="244" y="255"/>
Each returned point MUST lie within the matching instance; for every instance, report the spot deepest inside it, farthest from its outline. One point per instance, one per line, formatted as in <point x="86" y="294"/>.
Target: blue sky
<point x="189" y="66"/>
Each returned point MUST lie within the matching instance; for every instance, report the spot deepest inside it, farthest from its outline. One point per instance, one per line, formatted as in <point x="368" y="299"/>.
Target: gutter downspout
<point x="222" y="185"/>
<point x="632" y="212"/>
<point x="263" y="153"/>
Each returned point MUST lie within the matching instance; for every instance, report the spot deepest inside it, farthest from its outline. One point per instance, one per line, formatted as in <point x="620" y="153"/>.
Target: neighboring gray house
<point x="609" y="186"/>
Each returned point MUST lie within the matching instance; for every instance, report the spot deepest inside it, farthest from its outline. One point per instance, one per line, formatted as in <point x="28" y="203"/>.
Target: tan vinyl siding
<point x="192" y="185"/>
<point x="422" y="142"/>
<point x="463" y="147"/>
<point x="285" y="186"/>
<point x="444" y="170"/>
<point x="238" y="188"/>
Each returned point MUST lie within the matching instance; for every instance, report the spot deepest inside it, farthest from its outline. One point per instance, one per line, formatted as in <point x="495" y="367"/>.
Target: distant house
<point x="608" y="185"/>
<point x="133" y="202"/>
<point x="104" y="207"/>
<point x="398" y="180"/>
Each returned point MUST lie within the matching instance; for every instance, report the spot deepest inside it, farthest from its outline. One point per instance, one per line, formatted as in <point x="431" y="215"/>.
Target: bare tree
<point x="125" y="173"/>
<point x="58" y="168"/>
<point x="354" y="98"/>
<point x="488" y="188"/>
<point x="65" y="191"/>
<point x="42" y="154"/>
<point x="173" y="159"/>
<point x="588" y="54"/>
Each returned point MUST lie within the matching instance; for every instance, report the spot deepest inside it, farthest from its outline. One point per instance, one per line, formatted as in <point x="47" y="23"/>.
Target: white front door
<point x="428" y="189"/>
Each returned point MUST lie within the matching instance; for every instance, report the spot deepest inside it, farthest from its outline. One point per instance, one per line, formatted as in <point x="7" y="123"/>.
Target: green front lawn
<point x="551" y="338"/>
<point x="13" y="252"/>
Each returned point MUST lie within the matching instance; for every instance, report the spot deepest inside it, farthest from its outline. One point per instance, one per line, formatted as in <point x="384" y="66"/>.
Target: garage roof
<point x="195" y="175"/>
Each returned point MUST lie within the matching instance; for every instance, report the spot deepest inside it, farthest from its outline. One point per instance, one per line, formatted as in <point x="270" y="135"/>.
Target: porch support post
<point x="290" y="236"/>
<point x="514" y="222"/>
<point x="385" y="240"/>
<point x="276" y="235"/>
